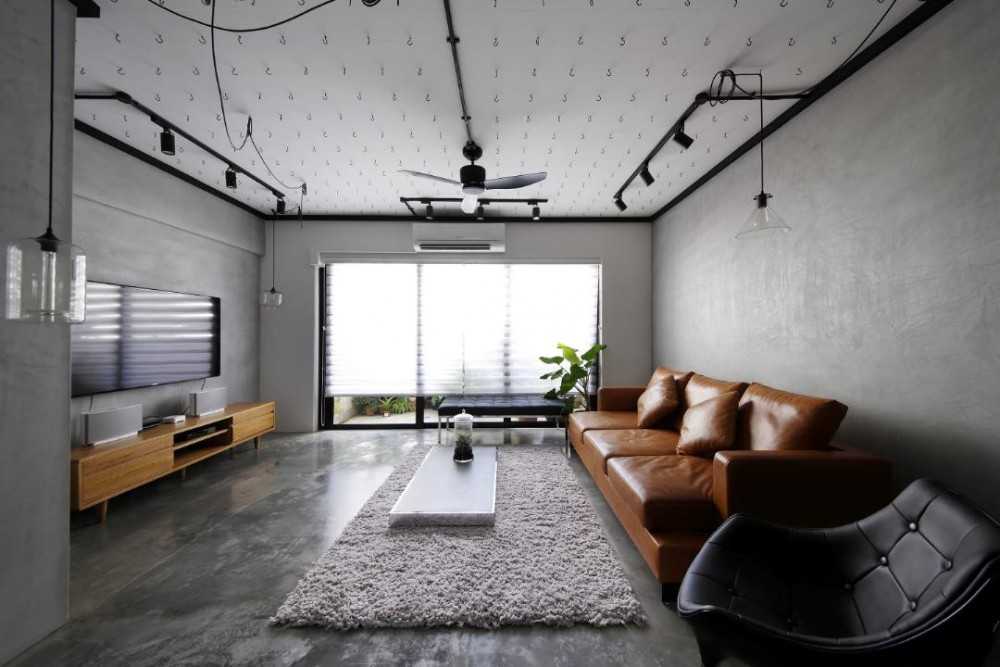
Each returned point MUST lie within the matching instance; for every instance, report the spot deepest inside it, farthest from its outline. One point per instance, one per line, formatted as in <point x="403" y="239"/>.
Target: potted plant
<point x="386" y="405"/>
<point x="574" y="371"/>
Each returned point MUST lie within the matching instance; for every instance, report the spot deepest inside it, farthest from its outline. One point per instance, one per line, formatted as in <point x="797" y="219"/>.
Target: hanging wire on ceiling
<point x="248" y="137"/>
<point x="158" y="5"/>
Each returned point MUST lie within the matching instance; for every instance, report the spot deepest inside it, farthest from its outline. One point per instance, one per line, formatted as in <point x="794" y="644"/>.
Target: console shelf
<point x="102" y="472"/>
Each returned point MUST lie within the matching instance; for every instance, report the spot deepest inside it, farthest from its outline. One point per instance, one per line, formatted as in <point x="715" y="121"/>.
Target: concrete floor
<point x="187" y="573"/>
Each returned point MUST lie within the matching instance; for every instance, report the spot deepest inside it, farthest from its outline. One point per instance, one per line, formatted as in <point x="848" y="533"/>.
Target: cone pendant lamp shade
<point x="764" y="221"/>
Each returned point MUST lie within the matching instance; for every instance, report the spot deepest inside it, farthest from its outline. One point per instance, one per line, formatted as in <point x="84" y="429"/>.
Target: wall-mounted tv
<point x="138" y="337"/>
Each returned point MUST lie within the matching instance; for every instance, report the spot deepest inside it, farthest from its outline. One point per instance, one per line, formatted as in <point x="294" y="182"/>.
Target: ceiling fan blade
<point x="420" y="174"/>
<point x="511" y="182"/>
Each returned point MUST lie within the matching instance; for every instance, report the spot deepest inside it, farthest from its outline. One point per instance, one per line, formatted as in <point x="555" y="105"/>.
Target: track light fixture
<point x="230" y="178"/>
<point x="682" y="138"/>
<point x="536" y="213"/>
<point x="429" y="212"/>
<point x="620" y="203"/>
<point x="280" y="206"/>
<point x="647" y="177"/>
<point x="167" y="146"/>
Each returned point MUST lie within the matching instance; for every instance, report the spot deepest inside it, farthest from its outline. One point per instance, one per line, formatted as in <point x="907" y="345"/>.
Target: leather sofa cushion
<point x="581" y="422"/>
<point x="680" y="377"/>
<point x="667" y="493"/>
<point x="700" y="388"/>
<point x="660" y="400"/>
<point x="606" y="445"/>
<point x="709" y="426"/>
<point x="771" y="419"/>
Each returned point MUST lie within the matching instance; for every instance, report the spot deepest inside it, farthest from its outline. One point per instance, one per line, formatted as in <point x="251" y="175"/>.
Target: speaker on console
<point x="207" y="402"/>
<point x="113" y="424"/>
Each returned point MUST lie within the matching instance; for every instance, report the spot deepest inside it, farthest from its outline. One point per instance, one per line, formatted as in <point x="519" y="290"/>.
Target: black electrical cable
<point x="865" y="40"/>
<point x="52" y="101"/>
<point x="266" y="166"/>
<point x="157" y="4"/>
<point x="218" y="87"/>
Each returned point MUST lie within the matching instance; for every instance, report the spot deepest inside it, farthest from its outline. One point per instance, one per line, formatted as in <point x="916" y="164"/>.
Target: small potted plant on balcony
<point x="575" y="372"/>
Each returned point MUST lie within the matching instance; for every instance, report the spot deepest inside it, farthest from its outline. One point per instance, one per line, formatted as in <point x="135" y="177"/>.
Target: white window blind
<point x="452" y="328"/>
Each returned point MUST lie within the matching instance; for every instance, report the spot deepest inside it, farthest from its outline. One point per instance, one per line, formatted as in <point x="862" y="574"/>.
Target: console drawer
<point x="244" y="429"/>
<point x="108" y="481"/>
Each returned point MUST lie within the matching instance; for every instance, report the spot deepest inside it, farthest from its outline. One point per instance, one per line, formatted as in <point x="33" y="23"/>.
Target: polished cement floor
<point x="188" y="572"/>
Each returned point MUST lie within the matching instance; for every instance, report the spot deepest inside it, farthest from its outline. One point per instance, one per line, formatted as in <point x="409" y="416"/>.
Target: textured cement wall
<point x="885" y="294"/>
<point x="142" y="227"/>
<point x="290" y="338"/>
<point x="34" y="358"/>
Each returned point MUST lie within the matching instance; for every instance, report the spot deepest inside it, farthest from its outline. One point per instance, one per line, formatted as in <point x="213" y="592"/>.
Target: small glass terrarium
<point x="463" y="437"/>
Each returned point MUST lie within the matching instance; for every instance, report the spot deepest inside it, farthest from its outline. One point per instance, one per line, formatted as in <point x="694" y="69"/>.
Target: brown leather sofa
<point x="783" y="468"/>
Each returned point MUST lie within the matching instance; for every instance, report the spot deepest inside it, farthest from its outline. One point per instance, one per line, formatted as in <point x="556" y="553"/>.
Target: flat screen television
<point x="138" y="337"/>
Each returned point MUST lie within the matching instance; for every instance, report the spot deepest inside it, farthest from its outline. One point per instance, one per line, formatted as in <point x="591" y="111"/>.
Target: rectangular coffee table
<point x="445" y="493"/>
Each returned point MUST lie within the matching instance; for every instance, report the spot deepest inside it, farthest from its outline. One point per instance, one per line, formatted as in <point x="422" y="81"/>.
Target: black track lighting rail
<point x="125" y="98"/>
<point x="483" y="201"/>
<point x="678" y="129"/>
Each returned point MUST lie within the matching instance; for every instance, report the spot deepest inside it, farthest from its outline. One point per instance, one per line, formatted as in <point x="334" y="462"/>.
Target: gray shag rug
<point x="546" y="561"/>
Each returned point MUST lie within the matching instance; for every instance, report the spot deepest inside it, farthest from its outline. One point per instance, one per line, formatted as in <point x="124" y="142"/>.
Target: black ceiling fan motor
<point x="472" y="151"/>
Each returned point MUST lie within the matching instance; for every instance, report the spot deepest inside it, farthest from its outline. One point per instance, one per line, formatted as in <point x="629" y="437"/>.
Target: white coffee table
<point x="445" y="493"/>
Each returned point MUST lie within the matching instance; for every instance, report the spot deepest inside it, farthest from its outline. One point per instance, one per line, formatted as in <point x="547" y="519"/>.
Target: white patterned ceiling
<point x="348" y="94"/>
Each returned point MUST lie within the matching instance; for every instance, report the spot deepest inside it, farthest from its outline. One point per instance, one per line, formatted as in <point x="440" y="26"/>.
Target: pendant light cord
<point x="274" y="253"/>
<point x="52" y="101"/>
<point x="761" y="75"/>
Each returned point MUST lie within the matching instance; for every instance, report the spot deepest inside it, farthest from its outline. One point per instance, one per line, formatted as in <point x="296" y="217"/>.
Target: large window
<point x="416" y="331"/>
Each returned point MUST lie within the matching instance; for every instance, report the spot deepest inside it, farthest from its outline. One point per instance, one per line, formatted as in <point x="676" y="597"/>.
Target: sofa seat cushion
<point x="771" y="419"/>
<point x="581" y="422"/>
<point x="667" y="493"/>
<point x="630" y="442"/>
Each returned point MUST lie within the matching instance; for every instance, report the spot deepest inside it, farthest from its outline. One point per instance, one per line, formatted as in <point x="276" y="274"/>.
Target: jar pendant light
<point x="273" y="298"/>
<point x="46" y="277"/>
<point x="763" y="219"/>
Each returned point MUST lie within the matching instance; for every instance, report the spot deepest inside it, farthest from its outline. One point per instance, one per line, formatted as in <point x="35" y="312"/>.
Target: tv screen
<point x="137" y="337"/>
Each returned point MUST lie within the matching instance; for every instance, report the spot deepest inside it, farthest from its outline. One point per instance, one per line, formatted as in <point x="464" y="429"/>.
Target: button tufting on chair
<point x="902" y="603"/>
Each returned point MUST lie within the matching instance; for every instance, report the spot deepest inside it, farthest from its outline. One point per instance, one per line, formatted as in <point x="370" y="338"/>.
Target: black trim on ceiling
<point x="159" y="164"/>
<point x="86" y="9"/>
<point x="469" y="220"/>
<point x="909" y="23"/>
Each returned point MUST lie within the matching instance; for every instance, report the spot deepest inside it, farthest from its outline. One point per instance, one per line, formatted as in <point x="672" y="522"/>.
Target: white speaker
<point x="113" y="424"/>
<point x="207" y="402"/>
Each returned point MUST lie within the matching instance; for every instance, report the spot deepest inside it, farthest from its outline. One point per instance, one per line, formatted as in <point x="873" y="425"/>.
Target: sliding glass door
<point x="397" y="337"/>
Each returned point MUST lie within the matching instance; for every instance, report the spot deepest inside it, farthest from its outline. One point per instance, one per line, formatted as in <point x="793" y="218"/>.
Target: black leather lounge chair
<point x="917" y="583"/>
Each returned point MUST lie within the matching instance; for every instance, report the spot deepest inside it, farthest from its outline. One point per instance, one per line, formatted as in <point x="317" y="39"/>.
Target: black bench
<point x="499" y="405"/>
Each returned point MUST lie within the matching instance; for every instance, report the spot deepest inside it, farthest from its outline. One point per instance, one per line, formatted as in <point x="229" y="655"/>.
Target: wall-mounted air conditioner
<point x="459" y="237"/>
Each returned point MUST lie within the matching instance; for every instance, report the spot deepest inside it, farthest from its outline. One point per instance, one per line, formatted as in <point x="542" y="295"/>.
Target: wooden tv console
<point x="102" y="472"/>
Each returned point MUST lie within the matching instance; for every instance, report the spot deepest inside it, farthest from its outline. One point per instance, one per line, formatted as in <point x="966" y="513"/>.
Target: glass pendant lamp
<point x="273" y="298"/>
<point x="764" y="220"/>
<point x="46" y="277"/>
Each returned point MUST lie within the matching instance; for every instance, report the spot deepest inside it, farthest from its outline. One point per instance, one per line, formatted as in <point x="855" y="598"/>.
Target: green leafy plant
<point x="574" y="371"/>
<point x="365" y="405"/>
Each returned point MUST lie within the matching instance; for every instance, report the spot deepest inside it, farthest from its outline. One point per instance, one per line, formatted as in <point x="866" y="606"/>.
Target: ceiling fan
<point x="474" y="181"/>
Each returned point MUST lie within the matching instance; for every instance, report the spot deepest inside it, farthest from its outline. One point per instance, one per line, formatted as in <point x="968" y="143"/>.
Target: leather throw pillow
<point x="659" y="401"/>
<point x="709" y="426"/>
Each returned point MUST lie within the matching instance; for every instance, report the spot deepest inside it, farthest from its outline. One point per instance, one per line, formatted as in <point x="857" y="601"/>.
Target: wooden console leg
<point x="256" y="442"/>
<point x="232" y="452"/>
<point x="668" y="595"/>
<point x="102" y="512"/>
<point x="184" y="474"/>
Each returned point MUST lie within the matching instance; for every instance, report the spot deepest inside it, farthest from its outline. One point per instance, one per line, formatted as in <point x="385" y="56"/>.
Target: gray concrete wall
<point x="142" y="227"/>
<point x="885" y="293"/>
<point x="34" y="358"/>
<point x="290" y="338"/>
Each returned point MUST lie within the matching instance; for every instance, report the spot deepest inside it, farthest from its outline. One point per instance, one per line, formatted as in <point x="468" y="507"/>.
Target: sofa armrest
<point x="619" y="398"/>
<point x="804" y="488"/>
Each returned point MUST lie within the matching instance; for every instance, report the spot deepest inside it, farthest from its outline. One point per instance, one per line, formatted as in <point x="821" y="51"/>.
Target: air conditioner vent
<point x="459" y="237"/>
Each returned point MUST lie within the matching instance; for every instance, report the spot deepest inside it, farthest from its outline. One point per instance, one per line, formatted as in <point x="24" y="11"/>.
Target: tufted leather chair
<point x="916" y="583"/>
